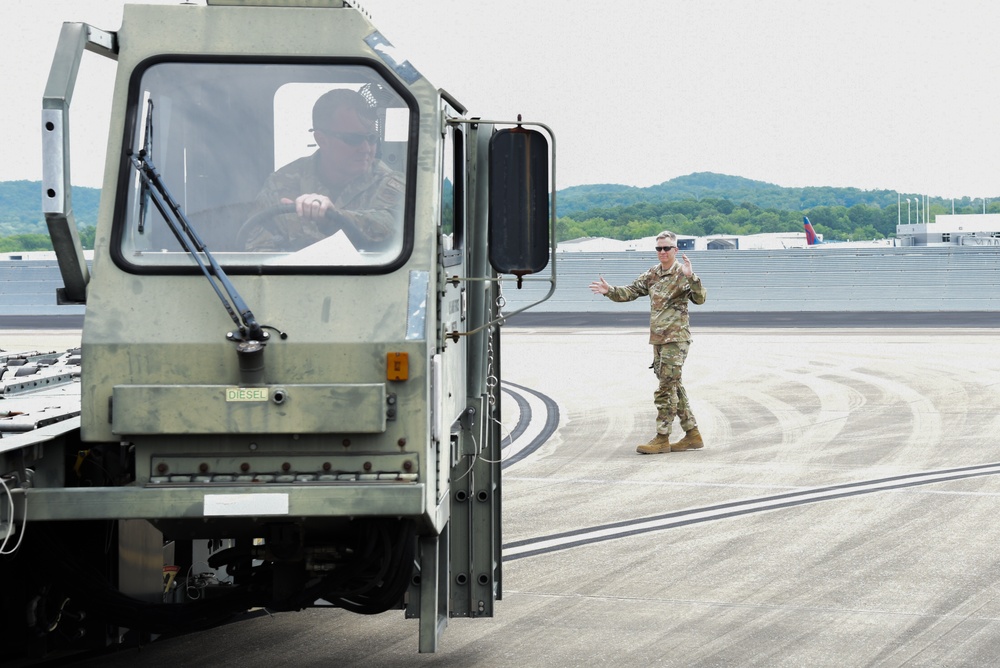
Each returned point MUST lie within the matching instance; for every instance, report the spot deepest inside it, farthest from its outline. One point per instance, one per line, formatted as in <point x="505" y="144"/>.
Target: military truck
<point x="290" y="381"/>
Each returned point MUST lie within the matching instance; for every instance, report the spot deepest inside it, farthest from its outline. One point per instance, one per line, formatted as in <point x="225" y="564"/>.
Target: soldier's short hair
<point x="667" y="234"/>
<point x="329" y="102"/>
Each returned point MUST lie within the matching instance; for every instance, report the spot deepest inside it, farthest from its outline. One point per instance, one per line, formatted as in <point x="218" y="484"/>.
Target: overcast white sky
<point x="872" y="94"/>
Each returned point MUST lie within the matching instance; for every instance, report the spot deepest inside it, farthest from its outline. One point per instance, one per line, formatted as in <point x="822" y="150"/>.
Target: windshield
<point x="273" y="165"/>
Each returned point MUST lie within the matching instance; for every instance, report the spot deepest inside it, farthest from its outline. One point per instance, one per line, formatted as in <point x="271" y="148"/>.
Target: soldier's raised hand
<point x="600" y="286"/>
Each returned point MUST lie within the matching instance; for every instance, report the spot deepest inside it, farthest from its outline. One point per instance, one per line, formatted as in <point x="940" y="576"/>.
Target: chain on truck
<point x="290" y="364"/>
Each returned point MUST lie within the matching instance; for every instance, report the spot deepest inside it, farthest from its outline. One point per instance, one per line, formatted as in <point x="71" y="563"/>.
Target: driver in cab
<point x="341" y="186"/>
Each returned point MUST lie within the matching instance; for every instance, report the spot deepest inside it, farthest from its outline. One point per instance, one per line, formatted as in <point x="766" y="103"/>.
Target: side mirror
<point x="519" y="230"/>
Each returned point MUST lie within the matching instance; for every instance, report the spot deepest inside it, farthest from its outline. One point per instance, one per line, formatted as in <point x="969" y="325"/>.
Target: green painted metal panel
<point x="229" y="409"/>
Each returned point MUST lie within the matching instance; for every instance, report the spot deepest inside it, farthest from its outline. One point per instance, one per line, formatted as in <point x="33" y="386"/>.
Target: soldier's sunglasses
<point x="661" y="249"/>
<point x="353" y="138"/>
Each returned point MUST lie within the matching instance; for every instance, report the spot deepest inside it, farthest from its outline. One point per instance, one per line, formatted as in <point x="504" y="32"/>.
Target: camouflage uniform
<point x="669" y="292"/>
<point x="370" y="209"/>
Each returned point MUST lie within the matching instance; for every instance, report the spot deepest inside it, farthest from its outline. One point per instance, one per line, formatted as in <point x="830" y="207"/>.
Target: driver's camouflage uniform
<point x="369" y="209"/>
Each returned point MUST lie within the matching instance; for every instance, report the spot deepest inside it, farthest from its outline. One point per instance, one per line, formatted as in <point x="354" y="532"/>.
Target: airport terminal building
<point x="952" y="230"/>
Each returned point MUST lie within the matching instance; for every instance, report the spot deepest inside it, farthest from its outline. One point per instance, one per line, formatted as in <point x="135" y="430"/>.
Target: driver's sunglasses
<point x="353" y="138"/>
<point x="660" y="249"/>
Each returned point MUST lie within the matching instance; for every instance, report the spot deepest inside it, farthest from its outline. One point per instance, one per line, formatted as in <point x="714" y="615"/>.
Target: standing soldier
<point x="670" y="286"/>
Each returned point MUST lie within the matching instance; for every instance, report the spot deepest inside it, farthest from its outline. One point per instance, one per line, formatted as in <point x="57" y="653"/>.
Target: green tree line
<point x="712" y="216"/>
<point x="17" y="243"/>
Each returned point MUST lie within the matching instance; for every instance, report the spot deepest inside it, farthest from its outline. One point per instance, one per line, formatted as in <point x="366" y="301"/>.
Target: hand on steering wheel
<point x="310" y="205"/>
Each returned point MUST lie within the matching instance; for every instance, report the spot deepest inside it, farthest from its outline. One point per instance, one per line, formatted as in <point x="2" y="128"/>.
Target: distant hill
<point x="21" y="207"/>
<point x="736" y="189"/>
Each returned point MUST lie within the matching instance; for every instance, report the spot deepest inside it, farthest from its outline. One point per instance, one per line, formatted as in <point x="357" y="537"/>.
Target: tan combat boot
<point x="659" y="443"/>
<point x="691" y="441"/>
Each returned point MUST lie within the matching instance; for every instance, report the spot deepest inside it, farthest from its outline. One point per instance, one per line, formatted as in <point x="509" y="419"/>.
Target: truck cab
<point x="291" y="343"/>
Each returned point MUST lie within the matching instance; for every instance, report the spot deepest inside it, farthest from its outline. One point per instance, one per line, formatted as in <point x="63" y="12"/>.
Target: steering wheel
<point x="266" y="219"/>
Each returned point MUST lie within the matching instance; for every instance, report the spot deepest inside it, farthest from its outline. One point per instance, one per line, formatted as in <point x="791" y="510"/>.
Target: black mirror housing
<point x="519" y="228"/>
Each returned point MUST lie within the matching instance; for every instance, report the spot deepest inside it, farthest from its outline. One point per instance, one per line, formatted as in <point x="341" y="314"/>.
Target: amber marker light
<point x="397" y="366"/>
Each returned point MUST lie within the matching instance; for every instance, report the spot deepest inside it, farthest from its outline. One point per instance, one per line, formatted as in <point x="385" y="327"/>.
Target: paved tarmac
<point x="843" y="513"/>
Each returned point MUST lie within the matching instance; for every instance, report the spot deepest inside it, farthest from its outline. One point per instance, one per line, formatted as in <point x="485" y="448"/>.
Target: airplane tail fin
<point x="811" y="238"/>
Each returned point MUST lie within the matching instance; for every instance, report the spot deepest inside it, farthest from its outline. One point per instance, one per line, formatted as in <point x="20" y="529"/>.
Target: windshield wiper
<point x="249" y="328"/>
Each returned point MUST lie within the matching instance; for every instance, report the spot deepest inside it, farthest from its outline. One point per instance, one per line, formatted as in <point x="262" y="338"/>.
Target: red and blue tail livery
<point x="811" y="238"/>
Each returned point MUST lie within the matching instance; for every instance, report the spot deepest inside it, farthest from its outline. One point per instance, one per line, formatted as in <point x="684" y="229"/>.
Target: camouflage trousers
<point x="670" y="397"/>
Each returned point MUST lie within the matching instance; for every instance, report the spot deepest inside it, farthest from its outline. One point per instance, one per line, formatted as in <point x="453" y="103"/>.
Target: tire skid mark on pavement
<point x="528" y="434"/>
<point x="616" y="530"/>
